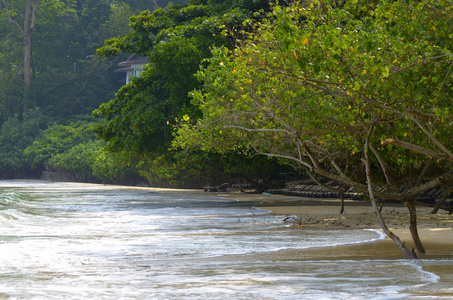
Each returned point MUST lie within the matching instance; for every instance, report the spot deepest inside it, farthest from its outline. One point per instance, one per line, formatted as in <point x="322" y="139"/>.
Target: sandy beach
<point x="315" y="213"/>
<point x="177" y="243"/>
<point x="436" y="231"/>
<point x="325" y="213"/>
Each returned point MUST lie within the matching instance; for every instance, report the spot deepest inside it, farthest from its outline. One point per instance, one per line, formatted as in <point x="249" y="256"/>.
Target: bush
<point x="15" y="136"/>
<point x="75" y="150"/>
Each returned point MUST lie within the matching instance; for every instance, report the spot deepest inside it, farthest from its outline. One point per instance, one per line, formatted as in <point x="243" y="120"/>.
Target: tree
<point x="15" y="137"/>
<point x="74" y="149"/>
<point x="138" y="121"/>
<point x="11" y="85"/>
<point x="142" y="5"/>
<point x="13" y="11"/>
<point x="70" y="80"/>
<point x="175" y="40"/>
<point x="359" y="93"/>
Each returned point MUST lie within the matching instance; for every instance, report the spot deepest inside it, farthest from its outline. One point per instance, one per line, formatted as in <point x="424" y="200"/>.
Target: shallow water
<point x="76" y="241"/>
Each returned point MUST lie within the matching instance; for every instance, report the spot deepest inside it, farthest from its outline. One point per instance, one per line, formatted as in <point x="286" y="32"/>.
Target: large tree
<point x="359" y="93"/>
<point x="70" y="79"/>
<point x="67" y="79"/>
<point x="11" y="83"/>
<point x="176" y="39"/>
<point x="22" y="14"/>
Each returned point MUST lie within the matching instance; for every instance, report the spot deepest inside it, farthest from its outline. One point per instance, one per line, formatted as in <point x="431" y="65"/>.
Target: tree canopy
<point x="360" y="93"/>
<point x="139" y="120"/>
<point x="64" y="79"/>
<point x="175" y="39"/>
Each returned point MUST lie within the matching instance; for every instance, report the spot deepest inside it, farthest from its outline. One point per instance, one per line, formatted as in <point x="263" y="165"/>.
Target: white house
<point x="133" y="66"/>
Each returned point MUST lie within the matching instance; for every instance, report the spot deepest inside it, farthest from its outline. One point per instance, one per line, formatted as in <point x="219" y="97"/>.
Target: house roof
<point x="134" y="59"/>
<point x="123" y="70"/>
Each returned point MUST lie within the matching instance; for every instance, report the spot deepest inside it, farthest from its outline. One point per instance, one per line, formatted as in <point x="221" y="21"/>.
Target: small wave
<point x="262" y="211"/>
<point x="382" y="235"/>
<point x="429" y="276"/>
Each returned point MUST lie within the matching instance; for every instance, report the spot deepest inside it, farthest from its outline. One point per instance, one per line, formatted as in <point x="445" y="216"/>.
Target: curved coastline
<point x="314" y="213"/>
<point x="355" y="248"/>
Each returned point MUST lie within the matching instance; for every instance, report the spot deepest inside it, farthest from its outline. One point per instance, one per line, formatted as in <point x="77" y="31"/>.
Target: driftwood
<point x="220" y="188"/>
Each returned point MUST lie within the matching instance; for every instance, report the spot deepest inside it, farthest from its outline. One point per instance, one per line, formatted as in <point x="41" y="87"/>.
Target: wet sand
<point x="355" y="270"/>
<point x="436" y="231"/>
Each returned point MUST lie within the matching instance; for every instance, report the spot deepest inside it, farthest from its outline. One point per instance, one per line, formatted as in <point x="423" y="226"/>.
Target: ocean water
<point x="78" y="241"/>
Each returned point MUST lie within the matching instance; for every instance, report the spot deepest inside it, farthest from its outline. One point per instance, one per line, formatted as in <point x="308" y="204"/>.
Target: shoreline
<point x="436" y="231"/>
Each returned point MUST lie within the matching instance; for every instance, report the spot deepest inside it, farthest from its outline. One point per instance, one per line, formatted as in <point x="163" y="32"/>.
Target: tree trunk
<point x="413" y="226"/>
<point x="27" y="74"/>
<point x="342" y="201"/>
<point x="382" y="205"/>
<point x="445" y="196"/>
<point x="366" y="160"/>
<point x="27" y="57"/>
<point x="25" y="30"/>
<point x="390" y="234"/>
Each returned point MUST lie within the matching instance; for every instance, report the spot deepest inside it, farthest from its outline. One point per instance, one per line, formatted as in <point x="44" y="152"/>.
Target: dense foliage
<point x="75" y="151"/>
<point x="139" y="121"/>
<point x="360" y="93"/>
<point x="15" y="136"/>
<point x="175" y="40"/>
<point x="312" y="89"/>
<point x="68" y="81"/>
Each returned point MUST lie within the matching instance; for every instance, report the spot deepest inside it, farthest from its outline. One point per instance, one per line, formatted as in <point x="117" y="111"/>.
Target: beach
<point x="435" y="230"/>
<point x="91" y="241"/>
<point x="303" y="213"/>
<point x="319" y="213"/>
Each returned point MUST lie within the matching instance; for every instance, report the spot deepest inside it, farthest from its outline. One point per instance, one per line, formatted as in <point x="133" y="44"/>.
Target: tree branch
<point x="423" y="172"/>
<point x="33" y="14"/>
<point x="10" y="19"/>
<point x="383" y="165"/>
<point x="444" y="179"/>
<point x="255" y="129"/>
<point x="282" y="156"/>
<point x="416" y="148"/>
<point x="414" y="63"/>
<point x="426" y="132"/>
<point x="395" y="238"/>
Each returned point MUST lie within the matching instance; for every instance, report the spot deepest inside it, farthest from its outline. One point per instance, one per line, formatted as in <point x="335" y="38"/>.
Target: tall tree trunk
<point x="25" y="30"/>
<point x="27" y="74"/>
<point x="413" y="225"/>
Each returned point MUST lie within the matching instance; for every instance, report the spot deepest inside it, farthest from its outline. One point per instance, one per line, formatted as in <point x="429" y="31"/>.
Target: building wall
<point x="136" y="70"/>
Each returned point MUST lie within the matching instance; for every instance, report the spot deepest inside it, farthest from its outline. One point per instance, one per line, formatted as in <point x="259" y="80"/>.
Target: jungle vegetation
<point x="358" y="92"/>
<point x="52" y="77"/>
<point x="355" y="92"/>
